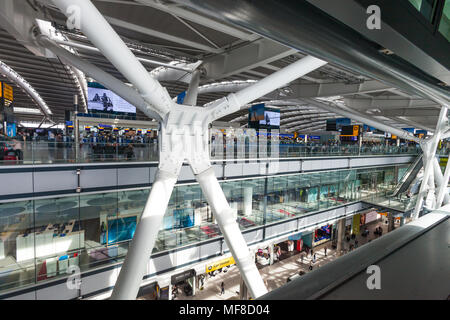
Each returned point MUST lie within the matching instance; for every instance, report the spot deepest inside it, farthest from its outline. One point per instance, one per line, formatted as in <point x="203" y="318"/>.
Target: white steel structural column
<point x="140" y="249"/>
<point x="192" y="92"/>
<point x="184" y="135"/>
<point x="443" y="188"/>
<point x="231" y="232"/>
<point x="439" y="179"/>
<point x="429" y="152"/>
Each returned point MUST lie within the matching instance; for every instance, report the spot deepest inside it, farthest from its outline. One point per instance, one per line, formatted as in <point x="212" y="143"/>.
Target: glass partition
<point x="48" y="152"/>
<point x="40" y="239"/>
<point x="444" y="25"/>
<point x="58" y="236"/>
<point x="17" y="266"/>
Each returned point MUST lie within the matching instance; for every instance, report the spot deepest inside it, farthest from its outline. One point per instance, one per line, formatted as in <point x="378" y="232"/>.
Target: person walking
<point x="222" y="288"/>
<point x="325" y="250"/>
<point x="310" y="265"/>
<point x="17" y="146"/>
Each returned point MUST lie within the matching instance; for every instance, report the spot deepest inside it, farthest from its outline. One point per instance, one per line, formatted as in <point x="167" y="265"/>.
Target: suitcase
<point x="10" y="156"/>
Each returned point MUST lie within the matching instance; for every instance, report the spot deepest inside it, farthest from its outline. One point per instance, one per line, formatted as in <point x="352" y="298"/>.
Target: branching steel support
<point x="110" y="82"/>
<point x="192" y="92"/>
<point x="335" y="108"/>
<point x="184" y="136"/>
<point x="103" y="36"/>
<point x="231" y="232"/>
<point x="443" y="188"/>
<point x="429" y="152"/>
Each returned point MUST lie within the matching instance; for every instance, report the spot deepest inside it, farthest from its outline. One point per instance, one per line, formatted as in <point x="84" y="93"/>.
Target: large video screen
<point x="256" y="113"/>
<point x="105" y="100"/>
<point x="271" y="118"/>
<point x="260" y="117"/>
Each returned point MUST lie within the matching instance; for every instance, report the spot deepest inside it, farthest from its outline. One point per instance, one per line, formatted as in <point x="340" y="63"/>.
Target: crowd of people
<point x="100" y="142"/>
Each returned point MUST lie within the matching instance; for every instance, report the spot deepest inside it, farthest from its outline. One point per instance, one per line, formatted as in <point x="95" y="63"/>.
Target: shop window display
<point x="322" y="234"/>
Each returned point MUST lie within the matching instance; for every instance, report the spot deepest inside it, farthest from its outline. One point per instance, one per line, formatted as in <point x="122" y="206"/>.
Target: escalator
<point x="408" y="177"/>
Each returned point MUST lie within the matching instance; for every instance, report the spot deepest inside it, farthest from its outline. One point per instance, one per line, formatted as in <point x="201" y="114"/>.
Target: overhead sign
<point x="367" y="128"/>
<point x="350" y="131"/>
<point x="182" y="276"/>
<point x="356" y="222"/>
<point x="412" y="130"/>
<point x="337" y="124"/>
<point x="220" y="264"/>
<point x="296" y="236"/>
<point x="8" y="92"/>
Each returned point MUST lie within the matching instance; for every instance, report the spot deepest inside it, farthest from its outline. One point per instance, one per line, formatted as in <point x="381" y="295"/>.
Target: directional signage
<point x="8" y="92"/>
<point x="350" y="131"/>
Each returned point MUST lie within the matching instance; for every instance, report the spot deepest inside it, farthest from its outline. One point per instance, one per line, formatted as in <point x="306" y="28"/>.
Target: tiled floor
<point x="275" y="275"/>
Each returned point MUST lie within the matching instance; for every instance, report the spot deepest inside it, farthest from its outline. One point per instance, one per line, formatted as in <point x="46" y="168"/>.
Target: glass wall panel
<point x="59" y="236"/>
<point x="426" y="7"/>
<point x="16" y="245"/>
<point x="103" y="230"/>
<point x="444" y="25"/>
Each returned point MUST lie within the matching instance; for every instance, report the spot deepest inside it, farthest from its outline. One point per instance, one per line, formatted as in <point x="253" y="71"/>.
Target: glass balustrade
<point x="48" y="152"/>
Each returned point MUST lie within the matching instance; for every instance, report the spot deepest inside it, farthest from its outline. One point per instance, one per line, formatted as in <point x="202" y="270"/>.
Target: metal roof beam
<point x="200" y="19"/>
<point x="388" y="103"/>
<point x="154" y="33"/>
<point x="245" y="58"/>
<point x="332" y="89"/>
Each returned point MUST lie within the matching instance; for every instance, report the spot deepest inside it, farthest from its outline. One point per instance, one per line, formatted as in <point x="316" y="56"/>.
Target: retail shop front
<point x="322" y="235"/>
<point x="149" y="292"/>
<point x="213" y="268"/>
<point x="280" y="250"/>
<point x="366" y="219"/>
<point x="183" y="283"/>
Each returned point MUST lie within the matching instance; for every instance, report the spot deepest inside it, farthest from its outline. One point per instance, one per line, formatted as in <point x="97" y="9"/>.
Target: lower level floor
<point x="289" y="262"/>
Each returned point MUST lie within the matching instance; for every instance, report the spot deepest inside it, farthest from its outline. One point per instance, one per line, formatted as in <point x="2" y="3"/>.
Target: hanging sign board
<point x="8" y="92"/>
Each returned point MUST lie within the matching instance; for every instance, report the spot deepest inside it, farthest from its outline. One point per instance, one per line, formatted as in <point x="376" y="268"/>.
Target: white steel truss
<point x="184" y="136"/>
